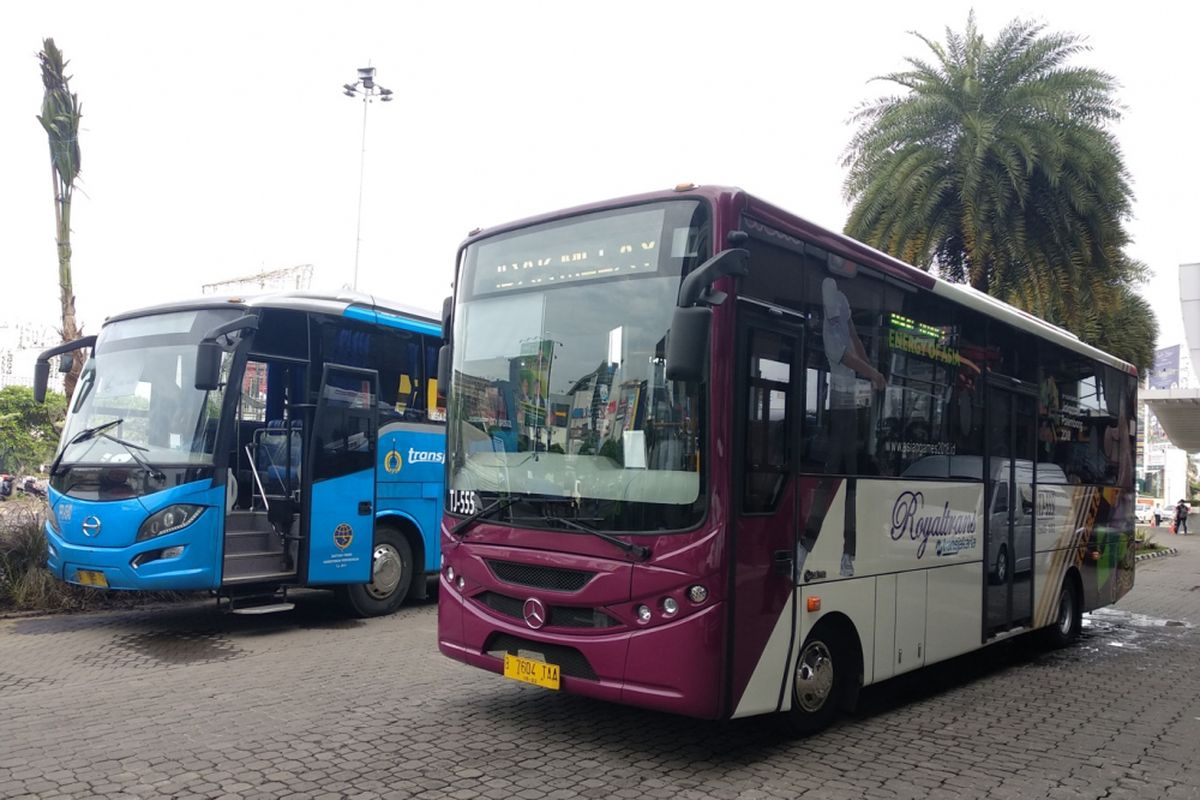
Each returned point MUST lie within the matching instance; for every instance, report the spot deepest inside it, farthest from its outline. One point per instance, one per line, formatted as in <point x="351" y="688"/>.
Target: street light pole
<point x="366" y="88"/>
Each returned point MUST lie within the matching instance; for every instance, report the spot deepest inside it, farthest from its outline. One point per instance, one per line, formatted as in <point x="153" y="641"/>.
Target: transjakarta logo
<point x="426" y="456"/>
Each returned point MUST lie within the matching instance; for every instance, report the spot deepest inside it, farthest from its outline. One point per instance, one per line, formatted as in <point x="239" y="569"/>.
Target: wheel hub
<point x="814" y="677"/>
<point x="386" y="572"/>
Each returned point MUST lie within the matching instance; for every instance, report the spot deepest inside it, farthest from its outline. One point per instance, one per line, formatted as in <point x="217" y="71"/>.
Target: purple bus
<point x="706" y="457"/>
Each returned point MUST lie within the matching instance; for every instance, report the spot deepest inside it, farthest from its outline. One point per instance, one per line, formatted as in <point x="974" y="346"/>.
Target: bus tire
<point x="391" y="577"/>
<point x="1066" y="626"/>
<point x="819" y="681"/>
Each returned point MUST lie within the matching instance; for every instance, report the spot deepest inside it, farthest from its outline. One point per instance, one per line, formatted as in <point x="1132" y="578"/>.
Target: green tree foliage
<point x="995" y="166"/>
<point x="61" y="111"/>
<point x="29" y="430"/>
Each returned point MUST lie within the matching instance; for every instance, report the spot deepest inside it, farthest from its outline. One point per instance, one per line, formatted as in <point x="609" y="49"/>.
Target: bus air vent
<point x="553" y="578"/>
<point x="557" y="616"/>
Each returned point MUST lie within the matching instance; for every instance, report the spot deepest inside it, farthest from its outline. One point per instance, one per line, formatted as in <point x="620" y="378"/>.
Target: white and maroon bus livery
<point x="709" y="458"/>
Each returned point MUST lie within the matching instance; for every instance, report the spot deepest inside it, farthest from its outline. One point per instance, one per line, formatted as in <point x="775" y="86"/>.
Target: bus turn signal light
<point x="814" y="604"/>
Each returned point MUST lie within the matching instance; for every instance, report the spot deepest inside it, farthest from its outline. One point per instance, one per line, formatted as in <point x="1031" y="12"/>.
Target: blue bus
<point x="249" y="445"/>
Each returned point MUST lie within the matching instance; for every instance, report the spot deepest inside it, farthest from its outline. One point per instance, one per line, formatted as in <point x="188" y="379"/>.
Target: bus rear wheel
<point x="391" y="577"/>
<point x="819" y="682"/>
<point x="1069" y="621"/>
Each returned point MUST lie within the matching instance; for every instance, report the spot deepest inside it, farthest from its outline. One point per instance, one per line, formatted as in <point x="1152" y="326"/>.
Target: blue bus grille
<point x="553" y="578"/>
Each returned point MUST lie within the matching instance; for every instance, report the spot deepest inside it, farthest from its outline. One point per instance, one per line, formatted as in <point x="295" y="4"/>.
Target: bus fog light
<point x="172" y="552"/>
<point x="643" y="614"/>
<point x="697" y="594"/>
<point x="669" y="606"/>
<point x="461" y="582"/>
<point x="450" y="574"/>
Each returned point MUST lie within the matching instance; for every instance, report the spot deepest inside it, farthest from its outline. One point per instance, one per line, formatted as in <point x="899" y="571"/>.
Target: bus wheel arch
<point x="392" y="570"/>
<point x="827" y="676"/>
<point x="1068" y="620"/>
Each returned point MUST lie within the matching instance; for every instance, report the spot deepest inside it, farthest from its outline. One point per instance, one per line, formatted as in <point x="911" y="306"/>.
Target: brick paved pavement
<point x="183" y="702"/>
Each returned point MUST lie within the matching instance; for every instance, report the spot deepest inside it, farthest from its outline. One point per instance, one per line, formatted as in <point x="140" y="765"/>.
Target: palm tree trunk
<point x="62" y="223"/>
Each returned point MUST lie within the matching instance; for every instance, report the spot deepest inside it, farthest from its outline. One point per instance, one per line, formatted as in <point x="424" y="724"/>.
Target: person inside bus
<point x="848" y="360"/>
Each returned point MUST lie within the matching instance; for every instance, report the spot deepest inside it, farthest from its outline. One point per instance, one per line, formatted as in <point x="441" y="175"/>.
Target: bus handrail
<point x="257" y="480"/>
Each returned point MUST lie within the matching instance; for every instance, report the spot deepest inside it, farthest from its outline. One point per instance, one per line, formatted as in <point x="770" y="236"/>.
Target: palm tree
<point x="60" y="115"/>
<point x="996" y="168"/>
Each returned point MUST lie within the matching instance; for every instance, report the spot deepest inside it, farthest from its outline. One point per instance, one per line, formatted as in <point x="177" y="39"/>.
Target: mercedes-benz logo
<point x="534" y="613"/>
<point x="91" y="526"/>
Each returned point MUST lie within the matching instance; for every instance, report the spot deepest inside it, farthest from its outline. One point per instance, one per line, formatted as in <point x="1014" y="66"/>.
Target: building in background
<point x="20" y="344"/>
<point x="287" y="279"/>
<point x="1171" y="422"/>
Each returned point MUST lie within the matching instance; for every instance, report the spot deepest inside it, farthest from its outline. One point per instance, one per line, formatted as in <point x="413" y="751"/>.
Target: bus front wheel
<point x="819" y="682"/>
<point x="391" y="577"/>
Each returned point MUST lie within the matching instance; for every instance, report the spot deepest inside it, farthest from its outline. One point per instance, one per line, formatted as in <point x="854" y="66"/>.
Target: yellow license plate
<point x="528" y="670"/>
<point x="90" y="577"/>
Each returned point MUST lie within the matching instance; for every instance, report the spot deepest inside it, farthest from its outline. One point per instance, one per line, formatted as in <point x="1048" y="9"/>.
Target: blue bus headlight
<point x="168" y="520"/>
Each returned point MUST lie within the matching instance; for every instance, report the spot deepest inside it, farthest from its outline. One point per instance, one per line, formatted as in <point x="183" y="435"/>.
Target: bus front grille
<point x="556" y="616"/>
<point x="553" y="578"/>
<point x="572" y="662"/>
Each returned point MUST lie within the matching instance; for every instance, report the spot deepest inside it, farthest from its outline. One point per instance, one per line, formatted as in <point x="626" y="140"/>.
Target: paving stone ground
<point x="183" y="702"/>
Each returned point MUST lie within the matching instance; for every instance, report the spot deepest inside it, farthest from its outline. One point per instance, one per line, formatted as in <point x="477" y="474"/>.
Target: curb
<point x="1170" y="551"/>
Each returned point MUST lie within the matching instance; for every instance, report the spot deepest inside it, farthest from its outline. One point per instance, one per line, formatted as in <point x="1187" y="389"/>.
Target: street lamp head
<point x="349" y="93"/>
<point x="366" y="75"/>
<point x="349" y="87"/>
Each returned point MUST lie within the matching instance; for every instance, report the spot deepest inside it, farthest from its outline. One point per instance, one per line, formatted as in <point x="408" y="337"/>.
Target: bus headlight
<point x="168" y="520"/>
<point x="697" y="594"/>
<point x="669" y="606"/>
<point x="643" y="614"/>
<point x="52" y="521"/>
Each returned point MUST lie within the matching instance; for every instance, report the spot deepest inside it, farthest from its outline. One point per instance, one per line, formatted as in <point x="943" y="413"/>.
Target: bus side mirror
<point x="447" y="318"/>
<point x="443" y="377"/>
<point x="65" y="362"/>
<point x="41" y="377"/>
<point x="687" y="343"/>
<point x="208" y="366"/>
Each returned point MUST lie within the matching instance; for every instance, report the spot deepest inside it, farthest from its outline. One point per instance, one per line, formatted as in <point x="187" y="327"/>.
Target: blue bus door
<point x="341" y="472"/>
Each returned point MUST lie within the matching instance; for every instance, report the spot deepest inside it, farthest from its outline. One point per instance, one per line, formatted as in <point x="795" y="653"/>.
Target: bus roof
<point x="345" y="303"/>
<point x="735" y="200"/>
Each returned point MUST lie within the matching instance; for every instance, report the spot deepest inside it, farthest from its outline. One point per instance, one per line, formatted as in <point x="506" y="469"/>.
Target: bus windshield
<point x="141" y="381"/>
<point x="559" y="388"/>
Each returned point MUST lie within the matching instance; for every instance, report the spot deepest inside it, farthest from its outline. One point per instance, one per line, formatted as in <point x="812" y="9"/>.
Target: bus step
<point x="270" y="608"/>
<point x="245" y="542"/>
<point x="274" y="576"/>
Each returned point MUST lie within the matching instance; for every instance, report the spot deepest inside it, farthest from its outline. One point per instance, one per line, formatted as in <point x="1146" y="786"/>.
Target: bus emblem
<point x="91" y="526"/>
<point x="392" y="462"/>
<point x="534" y="613"/>
<point x="343" y="535"/>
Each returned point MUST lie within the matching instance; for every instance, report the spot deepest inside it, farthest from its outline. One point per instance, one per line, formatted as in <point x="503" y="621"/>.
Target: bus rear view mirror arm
<point x="208" y="355"/>
<point x="41" y="367"/>
<point x="687" y="341"/>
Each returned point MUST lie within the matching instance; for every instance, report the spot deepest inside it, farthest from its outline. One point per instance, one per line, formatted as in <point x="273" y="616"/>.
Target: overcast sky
<point x="217" y="143"/>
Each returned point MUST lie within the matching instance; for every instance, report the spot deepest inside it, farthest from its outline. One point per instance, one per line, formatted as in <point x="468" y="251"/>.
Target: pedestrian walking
<point x="1157" y="515"/>
<point x="1181" y="515"/>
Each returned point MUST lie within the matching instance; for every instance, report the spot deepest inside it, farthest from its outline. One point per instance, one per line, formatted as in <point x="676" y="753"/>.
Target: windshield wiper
<point x="82" y="436"/>
<point x="133" y="452"/>
<point x="641" y="552"/>
<point x="484" y="513"/>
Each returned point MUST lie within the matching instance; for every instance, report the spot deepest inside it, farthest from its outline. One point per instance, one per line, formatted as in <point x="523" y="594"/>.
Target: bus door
<point x="1011" y="509"/>
<point x="339" y="477"/>
<point x="767" y="386"/>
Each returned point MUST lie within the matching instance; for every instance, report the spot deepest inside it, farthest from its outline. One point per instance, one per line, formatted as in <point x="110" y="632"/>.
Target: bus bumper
<point x="674" y="667"/>
<point x="195" y="568"/>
